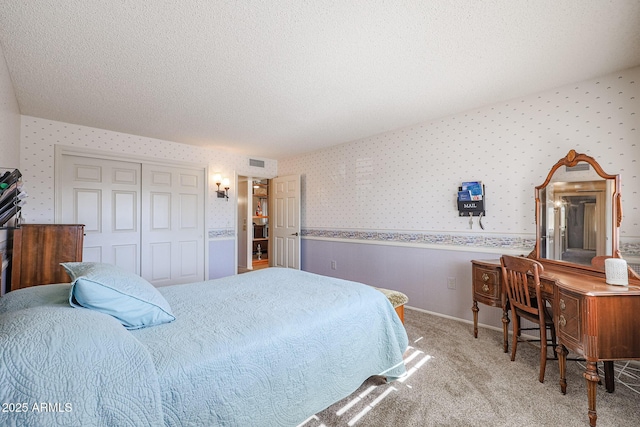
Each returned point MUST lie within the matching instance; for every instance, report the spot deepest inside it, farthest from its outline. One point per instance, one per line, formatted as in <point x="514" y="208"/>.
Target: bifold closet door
<point x="105" y="196"/>
<point x="147" y="219"/>
<point x="172" y="224"/>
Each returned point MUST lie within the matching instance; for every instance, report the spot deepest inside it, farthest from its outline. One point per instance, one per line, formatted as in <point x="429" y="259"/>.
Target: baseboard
<point x="469" y="322"/>
<point x="446" y="316"/>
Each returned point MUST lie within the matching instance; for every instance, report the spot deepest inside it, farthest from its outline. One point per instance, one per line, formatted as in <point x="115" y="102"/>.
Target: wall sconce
<point x="225" y="183"/>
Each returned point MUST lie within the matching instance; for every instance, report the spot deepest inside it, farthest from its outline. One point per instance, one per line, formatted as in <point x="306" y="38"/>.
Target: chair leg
<point x="554" y="341"/>
<point x="516" y="334"/>
<point x="543" y="352"/>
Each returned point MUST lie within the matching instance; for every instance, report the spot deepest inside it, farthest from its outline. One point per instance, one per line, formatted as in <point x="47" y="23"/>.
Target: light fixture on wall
<point x="225" y="183"/>
<point x="559" y="203"/>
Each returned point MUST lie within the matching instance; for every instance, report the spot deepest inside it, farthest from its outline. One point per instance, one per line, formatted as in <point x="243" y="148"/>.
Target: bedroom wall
<point x="38" y="138"/>
<point x="9" y="136"/>
<point x="384" y="207"/>
<point x="9" y="118"/>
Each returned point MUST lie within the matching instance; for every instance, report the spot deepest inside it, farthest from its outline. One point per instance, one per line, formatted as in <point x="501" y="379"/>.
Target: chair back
<point x="517" y="273"/>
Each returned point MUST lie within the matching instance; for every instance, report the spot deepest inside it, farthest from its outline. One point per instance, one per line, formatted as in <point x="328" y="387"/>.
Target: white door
<point x="147" y="219"/>
<point x="172" y="224"/>
<point x="104" y="195"/>
<point x="285" y="221"/>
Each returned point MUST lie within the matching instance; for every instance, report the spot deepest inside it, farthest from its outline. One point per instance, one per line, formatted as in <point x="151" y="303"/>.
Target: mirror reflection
<point x="576" y="215"/>
<point x="575" y="220"/>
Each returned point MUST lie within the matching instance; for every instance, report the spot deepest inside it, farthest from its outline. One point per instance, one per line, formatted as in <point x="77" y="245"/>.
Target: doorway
<point x="253" y="223"/>
<point x="579" y="217"/>
<point x="275" y="222"/>
<point x="580" y="229"/>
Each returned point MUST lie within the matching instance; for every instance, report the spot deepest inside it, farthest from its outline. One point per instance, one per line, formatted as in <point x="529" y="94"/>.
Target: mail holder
<point x="471" y="208"/>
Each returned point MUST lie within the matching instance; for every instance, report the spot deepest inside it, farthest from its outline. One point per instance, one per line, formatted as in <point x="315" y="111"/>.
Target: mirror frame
<point x="572" y="159"/>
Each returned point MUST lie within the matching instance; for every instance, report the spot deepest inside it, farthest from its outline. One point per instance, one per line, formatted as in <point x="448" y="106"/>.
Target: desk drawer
<point x="486" y="282"/>
<point x="569" y="311"/>
<point x="546" y="287"/>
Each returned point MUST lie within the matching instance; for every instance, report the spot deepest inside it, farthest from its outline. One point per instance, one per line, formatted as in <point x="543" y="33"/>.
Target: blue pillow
<point x="126" y="296"/>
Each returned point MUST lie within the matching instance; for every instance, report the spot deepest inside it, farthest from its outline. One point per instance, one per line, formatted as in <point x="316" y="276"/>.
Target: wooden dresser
<point x="38" y="250"/>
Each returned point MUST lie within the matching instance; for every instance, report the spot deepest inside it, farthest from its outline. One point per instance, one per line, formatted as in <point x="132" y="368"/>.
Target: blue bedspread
<point x="62" y="366"/>
<point x="268" y="348"/>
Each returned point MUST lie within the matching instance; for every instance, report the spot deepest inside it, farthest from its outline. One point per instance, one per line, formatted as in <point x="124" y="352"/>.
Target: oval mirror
<point x="578" y="212"/>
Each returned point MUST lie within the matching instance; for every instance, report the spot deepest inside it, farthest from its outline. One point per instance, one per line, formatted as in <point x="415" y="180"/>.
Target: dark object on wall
<point x="471" y="199"/>
<point x="11" y="195"/>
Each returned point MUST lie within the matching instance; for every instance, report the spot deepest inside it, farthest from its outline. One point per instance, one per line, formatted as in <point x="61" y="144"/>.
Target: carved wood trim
<point x="571" y="159"/>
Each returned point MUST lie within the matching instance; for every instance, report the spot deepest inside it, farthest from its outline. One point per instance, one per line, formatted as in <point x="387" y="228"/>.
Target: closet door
<point x="104" y="195"/>
<point x="172" y="224"/>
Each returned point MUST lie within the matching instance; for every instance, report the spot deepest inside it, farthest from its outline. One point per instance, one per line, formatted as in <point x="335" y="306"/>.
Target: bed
<point x="266" y="348"/>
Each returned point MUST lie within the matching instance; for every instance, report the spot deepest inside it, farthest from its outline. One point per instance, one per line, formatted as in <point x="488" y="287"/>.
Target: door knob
<point x="295" y="234"/>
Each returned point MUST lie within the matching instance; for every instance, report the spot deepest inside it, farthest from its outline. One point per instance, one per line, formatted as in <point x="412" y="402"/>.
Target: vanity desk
<point x="594" y="320"/>
<point x="597" y="321"/>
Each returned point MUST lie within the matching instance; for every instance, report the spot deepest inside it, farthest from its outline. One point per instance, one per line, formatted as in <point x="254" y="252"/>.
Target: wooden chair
<point x="526" y="302"/>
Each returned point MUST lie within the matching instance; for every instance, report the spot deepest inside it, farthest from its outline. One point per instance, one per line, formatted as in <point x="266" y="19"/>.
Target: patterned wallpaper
<point x="39" y="136"/>
<point x="405" y="182"/>
<point x="401" y="185"/>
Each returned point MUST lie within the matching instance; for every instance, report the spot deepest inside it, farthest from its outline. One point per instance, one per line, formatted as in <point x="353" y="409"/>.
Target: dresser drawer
<point x="486" y="285"/>
<point x="568" y="307"/>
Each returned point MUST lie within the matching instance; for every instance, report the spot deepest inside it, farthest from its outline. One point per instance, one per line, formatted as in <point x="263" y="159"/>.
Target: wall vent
<point x="256" y="163"/>
<point x="577" y="168"/>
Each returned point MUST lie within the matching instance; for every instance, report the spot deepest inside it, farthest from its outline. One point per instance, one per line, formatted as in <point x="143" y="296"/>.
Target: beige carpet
<point x="457" y="380"/>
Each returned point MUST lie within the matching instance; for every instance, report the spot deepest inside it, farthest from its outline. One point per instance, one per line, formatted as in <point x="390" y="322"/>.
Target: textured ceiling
<point x="278" y="78"/>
